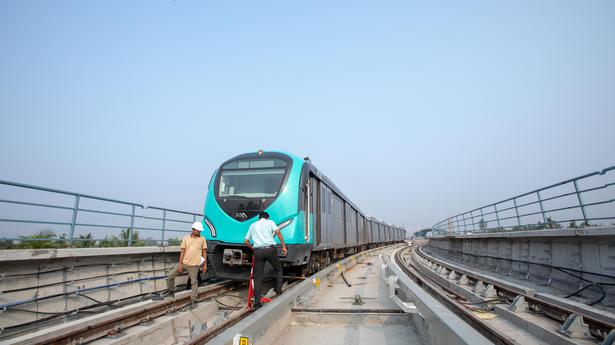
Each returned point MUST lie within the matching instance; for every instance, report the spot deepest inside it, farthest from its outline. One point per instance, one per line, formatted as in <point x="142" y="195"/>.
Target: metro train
<point x="318" y="222"/>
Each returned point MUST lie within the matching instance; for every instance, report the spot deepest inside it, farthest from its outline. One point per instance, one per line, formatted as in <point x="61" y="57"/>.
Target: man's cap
<point x="198" y="226"/>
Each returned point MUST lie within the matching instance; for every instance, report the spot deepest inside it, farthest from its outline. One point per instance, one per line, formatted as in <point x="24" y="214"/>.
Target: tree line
<point x="49" y="239"/>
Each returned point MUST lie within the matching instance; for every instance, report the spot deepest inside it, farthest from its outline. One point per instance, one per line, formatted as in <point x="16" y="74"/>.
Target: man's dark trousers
<point x="261" y="255"/>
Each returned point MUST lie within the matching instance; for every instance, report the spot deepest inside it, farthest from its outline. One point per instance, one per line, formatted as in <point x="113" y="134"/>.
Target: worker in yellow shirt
<point x="193" y="247"/>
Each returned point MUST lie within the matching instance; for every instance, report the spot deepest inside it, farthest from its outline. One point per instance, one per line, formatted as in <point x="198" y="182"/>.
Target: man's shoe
<point x="193" y="305"/>
<point x="168" y="295"/>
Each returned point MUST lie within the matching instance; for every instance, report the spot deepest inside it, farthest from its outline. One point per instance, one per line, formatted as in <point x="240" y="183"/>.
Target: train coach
<point x="318" y="222"/>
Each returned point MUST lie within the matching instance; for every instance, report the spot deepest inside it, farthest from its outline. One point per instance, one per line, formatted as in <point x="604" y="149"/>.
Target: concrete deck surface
<point x="333" y="327"/>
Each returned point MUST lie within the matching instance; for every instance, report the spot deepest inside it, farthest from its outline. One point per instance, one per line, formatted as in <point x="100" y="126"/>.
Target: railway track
<point x="117" y="323"/>
<point x="84" y="332"/>
<point x="547" y="319"/>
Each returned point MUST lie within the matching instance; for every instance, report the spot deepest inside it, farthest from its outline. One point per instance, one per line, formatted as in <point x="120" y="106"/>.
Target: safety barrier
<point x="582" y="201"/>
<point x="83" y="219"/>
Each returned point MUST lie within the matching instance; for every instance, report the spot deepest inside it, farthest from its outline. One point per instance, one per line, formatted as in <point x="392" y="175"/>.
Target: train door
<point x="361" y="226"/>
<point x="312" y="221"/>
<point x="350" y="216"/>
<point x="338" y="228"/>
<point x="322" y="211"/>
<point x="326" y="216"/>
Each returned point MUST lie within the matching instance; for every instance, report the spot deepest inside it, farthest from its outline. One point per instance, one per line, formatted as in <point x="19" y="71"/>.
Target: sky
<point x="417" y="110"/>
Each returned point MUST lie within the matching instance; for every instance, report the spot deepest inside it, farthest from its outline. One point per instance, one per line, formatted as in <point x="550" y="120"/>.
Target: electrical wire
<point x="91" y="299"/>
<point x="78" y="291"/>
<point x="484" y="302"/>
<point x="562" y="269"/>
<point x="586" y="287"/>
<point x="565" y="270"/>
<point x="79" y="266"/>
<point x="345" y="281"/>
<point x="68" y="312"/>
<point x="80" y="280"/>
<point x="235" y="307"/>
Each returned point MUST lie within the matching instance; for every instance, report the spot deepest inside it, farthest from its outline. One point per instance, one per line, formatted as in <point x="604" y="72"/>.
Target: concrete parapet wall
<point x="564" y="259"/>
<point x="74" y="279"/>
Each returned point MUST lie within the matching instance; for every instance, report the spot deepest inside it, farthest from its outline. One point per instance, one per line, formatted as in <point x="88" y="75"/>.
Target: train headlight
<point x="212" y="229"/>
<point x="285" y="224"/>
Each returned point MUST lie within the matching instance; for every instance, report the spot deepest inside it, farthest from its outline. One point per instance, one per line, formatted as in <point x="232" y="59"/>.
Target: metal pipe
<point x="542" y="210"/>
<point x="16" y="184"/>
<point x="72" y="223"/>
<point x="576" y="189"/>
<point x="497" y="216"/>
<point x="132" y="223"/>
<point x="517" y="212"/>
<point x="164" y="221"/>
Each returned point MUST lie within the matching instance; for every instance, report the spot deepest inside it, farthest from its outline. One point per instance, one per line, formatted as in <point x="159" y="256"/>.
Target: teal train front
<point x="318" y="222"/>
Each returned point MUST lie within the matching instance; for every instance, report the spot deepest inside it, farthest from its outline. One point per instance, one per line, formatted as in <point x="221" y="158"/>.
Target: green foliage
<point x="174" y="241"/>
<point x="150" y="242"/>
<point x="125" y="235"/>
<point x="42" y="239"/>
<point x="85" y="241"/>
<point x="7" y="244"/>
<point x="552" y="224"/>
<point x="49" y="239"/>
<point x="482" y="224"/>
<point x="111" y="241"/>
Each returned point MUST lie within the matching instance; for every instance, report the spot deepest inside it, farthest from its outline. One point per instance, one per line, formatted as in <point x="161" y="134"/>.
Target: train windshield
<point x="252" y="178"/>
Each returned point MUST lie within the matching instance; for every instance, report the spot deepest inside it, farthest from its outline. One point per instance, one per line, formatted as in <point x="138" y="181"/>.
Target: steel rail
<point x="90" y="332"/>
<point x="214" y="331"/>
<point x="203" y="338"/>
<point x="437" y="290"/>
<point x="598" y="327"/>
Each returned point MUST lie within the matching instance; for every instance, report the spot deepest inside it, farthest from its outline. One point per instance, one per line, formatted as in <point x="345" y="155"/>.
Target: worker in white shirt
<point x="261" y="233"/>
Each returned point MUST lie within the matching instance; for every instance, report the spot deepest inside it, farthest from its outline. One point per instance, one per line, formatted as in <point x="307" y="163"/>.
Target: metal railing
<point x="584" y="201"/>
<point x="72" y="211"/>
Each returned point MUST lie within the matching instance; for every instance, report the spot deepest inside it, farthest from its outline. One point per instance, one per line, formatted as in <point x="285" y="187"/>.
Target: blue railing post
<point x="517" y="212"/>
<point x="542" y="210"/>
<point x="71" y="234"/>
<point x="464" y="224"/>
<point x="576" y="189"/>
<point x="482" y="218"/>
<point x="473" y="222"/>
<point x="132" y="223"/>
<point x="497" y="217"/>
<point x="164" y="223"/>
